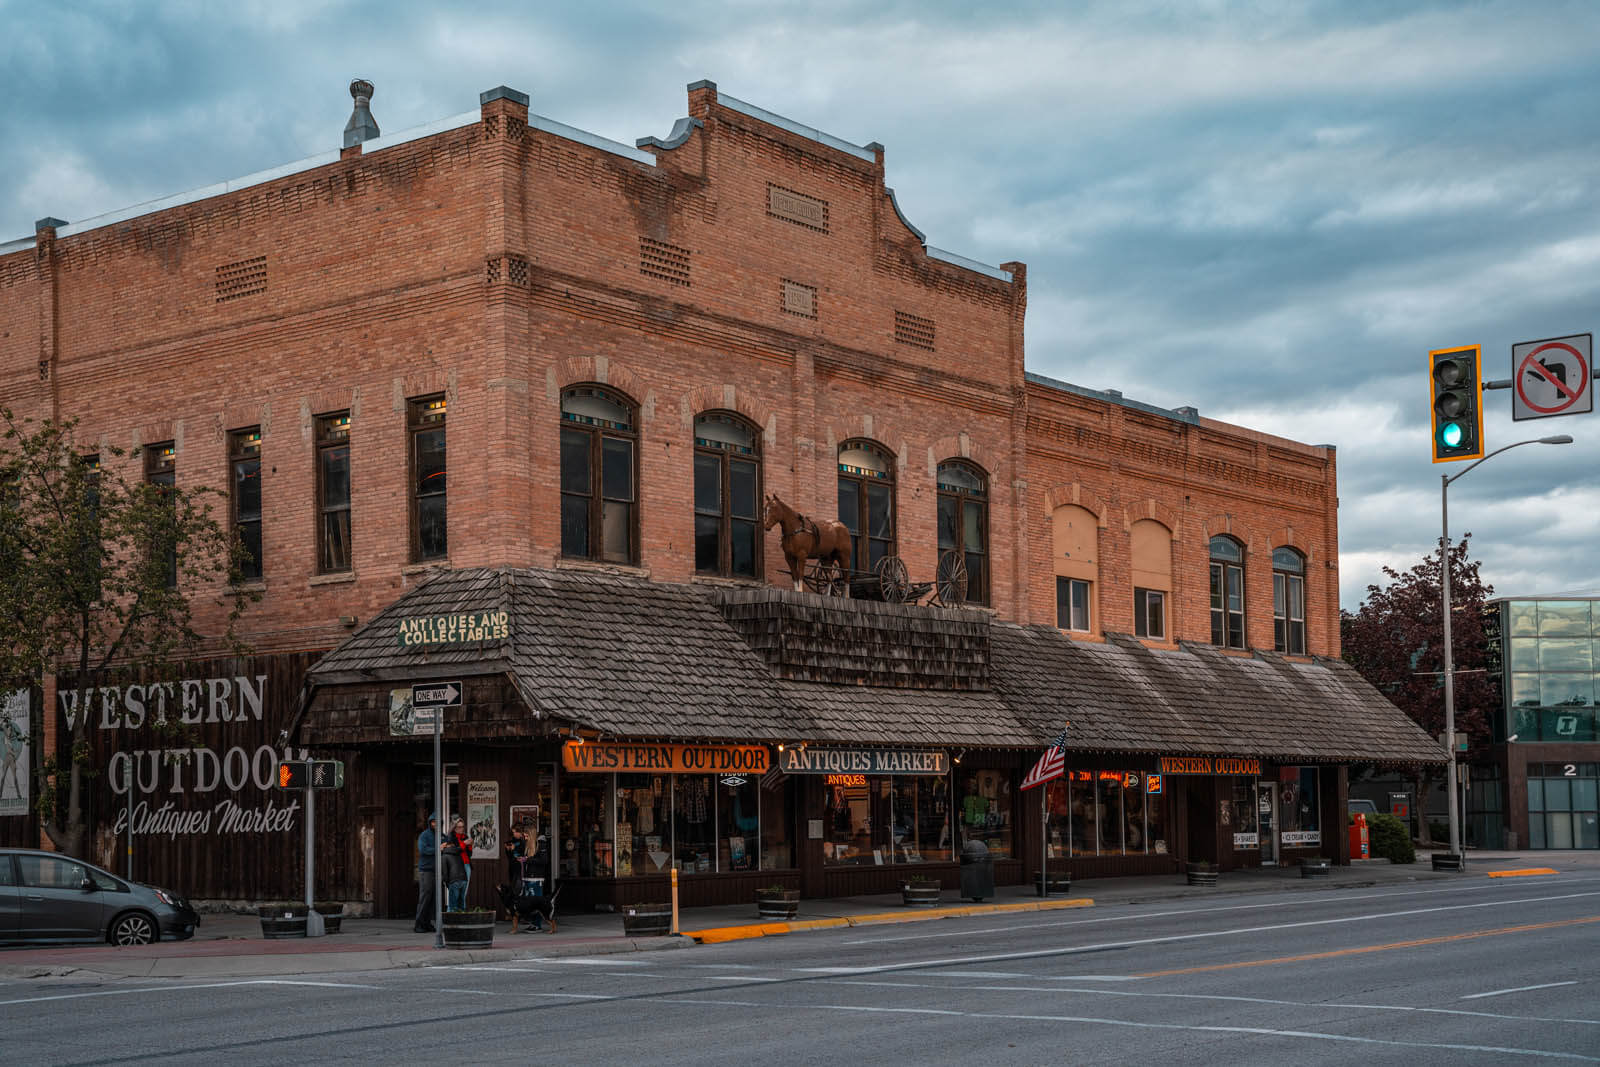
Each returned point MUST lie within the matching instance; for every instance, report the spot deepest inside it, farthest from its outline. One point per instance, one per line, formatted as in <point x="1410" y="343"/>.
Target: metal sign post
<point x="438" y="833"/>
<point x="314" y="924"/>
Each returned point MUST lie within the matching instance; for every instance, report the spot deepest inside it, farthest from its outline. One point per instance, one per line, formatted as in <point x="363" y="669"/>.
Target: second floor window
<point x="1227" y="593"/>
<point x="1072" y="604"/>
<point x="727" y="496"/>
<point x="160" y="470"/>
<point x="1288" y="601"/>
<point x="1150" y="614"/>
<point x="964" y="523"/>
<point x="333" y="493"/>
<point x="429" y="514"/>
<point x="599" y="475"/>
<point x="244" y="461"/>
<point x="866" y="500"/>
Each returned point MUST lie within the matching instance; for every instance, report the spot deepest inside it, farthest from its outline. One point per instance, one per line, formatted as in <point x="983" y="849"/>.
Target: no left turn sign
<point x="1551" y="377"/>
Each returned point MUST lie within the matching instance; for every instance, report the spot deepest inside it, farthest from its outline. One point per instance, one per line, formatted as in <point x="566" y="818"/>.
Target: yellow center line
<point x="1373" y="948"/>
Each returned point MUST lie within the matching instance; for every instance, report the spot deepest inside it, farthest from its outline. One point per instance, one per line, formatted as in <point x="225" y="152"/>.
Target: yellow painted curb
<point x="1523" y="873"/>
<point x="720" y="934"/>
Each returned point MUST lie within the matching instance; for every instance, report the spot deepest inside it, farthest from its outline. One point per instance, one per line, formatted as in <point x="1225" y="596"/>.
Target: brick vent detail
<point x="246" y="277"/>
<point x="661" y="260"/>
<point x="913" y="330"/>
<point x="797" y="299"/>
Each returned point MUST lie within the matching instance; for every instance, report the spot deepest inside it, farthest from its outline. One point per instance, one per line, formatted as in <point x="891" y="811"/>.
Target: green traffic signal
<point x="1450" y="434"/>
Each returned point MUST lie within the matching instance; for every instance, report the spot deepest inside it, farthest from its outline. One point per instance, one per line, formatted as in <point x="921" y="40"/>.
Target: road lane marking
<point x="1225" y="998"/>
<point x="1363" y="949"/>
<point x="169" y="989"/>
<point x="739" y="978"/>
<point x="1518" y="989"/>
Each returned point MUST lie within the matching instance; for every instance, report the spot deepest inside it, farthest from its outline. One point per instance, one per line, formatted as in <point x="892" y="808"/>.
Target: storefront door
<point x="1267" y="816"/>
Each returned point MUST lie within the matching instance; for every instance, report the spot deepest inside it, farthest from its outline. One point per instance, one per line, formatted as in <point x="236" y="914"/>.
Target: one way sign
<point x="436" y="695"/>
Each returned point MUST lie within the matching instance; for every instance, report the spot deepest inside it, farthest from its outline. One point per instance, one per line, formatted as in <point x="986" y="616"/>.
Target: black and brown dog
<point x="527" y="906"/>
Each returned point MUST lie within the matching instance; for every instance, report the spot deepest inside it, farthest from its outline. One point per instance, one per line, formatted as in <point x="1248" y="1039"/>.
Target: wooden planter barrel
<point x="281" y="921"/>
<point x="646" y="920"/>
<point x="778" y="906"/>
<point x="332" y="917"/>
<point x="1314" y="868"/>
<point x="468" y="929"/>
<point x="1203" y="874"/>
<point x="920" y="896"/>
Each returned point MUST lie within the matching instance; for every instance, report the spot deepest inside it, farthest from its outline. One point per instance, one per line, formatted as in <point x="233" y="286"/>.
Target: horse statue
<point x="805" y="539"/>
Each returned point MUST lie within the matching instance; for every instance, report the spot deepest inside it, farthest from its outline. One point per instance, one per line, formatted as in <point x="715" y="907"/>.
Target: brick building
<point x="617" y="352"/>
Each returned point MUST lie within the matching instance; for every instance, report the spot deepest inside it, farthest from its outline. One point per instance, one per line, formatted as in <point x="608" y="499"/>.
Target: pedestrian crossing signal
<point x="327" y="774"/>
<point x="294" y="774"/>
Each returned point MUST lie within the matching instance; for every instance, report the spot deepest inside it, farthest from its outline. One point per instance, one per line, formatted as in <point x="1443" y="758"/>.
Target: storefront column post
<point x="555" y="824"/>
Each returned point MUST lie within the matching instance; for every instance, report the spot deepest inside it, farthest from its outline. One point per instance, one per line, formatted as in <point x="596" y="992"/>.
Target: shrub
<point x="1389" y="839"/>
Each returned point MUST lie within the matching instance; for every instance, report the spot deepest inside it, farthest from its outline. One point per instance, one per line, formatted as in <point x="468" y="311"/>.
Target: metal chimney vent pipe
<point x="362" y="126"/>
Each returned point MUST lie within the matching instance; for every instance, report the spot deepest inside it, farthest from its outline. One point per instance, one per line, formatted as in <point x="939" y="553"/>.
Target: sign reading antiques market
<point x="810" y="760"/>
<point x="456" y="628"/>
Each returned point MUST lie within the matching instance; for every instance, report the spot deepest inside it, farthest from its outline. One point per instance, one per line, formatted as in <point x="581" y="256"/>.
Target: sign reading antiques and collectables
<point x="14" y="765"/>
<point x="665" y="758"/>
<point x="1551" y="377"/>
<point x="425" y="631"/>
<point x="1233" y="765"/>
<point x="811" y="760"/>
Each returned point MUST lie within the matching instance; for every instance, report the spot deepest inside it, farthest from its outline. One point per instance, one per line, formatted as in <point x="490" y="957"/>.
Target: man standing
<point x="427" y="856"/>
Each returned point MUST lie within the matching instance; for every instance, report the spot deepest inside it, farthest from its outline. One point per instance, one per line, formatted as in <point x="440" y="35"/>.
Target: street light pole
<point x="1449" y="655"/>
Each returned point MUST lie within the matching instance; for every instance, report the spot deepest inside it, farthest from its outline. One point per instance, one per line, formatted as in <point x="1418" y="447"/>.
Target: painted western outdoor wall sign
<point x="628" y="756"/>
<point x="186" y="766"/>
<point x="811" y="760"/>
<point x="425" y="631"/>
<point x="1210" y="765"/>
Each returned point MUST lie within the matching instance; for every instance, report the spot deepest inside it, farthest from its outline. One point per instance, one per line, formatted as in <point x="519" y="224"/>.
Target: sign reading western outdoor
<point x="460" y="628"/>
<point x="810" y="760"/>
<point x="630" y="756"/>
<point x="1210" y="765"/>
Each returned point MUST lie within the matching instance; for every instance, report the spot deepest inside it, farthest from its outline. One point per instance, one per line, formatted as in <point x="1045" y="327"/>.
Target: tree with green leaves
<point x="1396" y="640"/>
<point x="99" y="573"/>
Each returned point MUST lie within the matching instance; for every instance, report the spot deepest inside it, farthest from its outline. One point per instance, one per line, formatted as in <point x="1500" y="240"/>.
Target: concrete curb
<point x="720" y="934"/>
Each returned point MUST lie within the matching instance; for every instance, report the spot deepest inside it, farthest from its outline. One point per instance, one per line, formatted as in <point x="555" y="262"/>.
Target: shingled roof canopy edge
<point x="631" y="658"/>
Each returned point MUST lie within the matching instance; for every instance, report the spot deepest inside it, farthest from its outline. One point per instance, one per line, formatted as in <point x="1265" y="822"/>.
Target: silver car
<point x="45" y="896"/>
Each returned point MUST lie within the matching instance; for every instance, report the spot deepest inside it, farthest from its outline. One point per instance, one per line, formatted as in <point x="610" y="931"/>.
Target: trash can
<point x="977" y="871"/>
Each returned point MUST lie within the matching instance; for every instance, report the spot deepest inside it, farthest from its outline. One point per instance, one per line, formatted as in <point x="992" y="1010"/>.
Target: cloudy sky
<point x="1270" y="211"/>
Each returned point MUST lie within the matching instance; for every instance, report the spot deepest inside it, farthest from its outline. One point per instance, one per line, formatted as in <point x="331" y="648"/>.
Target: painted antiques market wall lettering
<point x="454" y="629"/>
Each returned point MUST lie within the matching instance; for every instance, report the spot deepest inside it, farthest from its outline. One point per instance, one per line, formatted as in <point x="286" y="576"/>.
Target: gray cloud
<point x="1269" y="211"/>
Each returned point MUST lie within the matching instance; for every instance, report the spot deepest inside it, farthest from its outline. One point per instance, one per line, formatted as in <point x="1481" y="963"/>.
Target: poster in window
<point x="483" y="815"/>
<point x="14" y="779"/>
<point x="527" y="817"/>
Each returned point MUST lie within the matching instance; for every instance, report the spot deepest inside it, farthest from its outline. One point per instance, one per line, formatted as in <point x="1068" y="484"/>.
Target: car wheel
<point x="134" y="928"/>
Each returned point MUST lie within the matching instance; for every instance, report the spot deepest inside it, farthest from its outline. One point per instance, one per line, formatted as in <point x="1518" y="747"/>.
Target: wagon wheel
<point x="824" y="578"/>
<point x="951" y="579"/>
<point x="893" y="582"/>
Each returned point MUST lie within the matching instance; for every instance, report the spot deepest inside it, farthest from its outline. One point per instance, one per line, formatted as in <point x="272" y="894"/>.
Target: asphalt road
<point x="1476" y="971"/>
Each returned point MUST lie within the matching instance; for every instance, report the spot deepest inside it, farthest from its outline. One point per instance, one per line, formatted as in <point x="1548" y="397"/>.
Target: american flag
<point x="1053" y="764"/>
<point x="773" y="779"/>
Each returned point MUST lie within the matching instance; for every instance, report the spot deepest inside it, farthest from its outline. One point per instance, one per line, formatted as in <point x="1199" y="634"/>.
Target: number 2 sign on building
<point x="1552" y="377"/>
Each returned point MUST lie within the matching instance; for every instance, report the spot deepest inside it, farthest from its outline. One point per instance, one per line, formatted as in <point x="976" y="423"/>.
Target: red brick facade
<point x="752" y="269"/>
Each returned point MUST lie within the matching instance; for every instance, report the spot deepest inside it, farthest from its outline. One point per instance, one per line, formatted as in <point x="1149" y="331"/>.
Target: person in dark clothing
<point x="427" y="854"/>
<point x="455" y="855"/>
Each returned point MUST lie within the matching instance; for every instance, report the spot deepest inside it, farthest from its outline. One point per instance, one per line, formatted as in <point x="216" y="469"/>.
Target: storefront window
<point x="586" y="826"/>
<point x="985" y="809"/>
<point x="874" y="819"/>
<point x="1104" y="813"/>
<point x="1085" y="827"/>
<point x="1134" y="837"/>
<point x="644" y="824"/>
<point x="694" y="822"/>
<point x="739" y="820"/>
<point x="1108" y="798"/>
<point x="1155" y="815"/>
<point x="1242" y="812"/>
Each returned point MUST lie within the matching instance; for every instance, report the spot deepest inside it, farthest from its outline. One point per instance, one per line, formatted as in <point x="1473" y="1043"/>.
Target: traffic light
<point x="327" y="774"/>
<point x="294" y="774"/>
<point x="1457" y="403"/>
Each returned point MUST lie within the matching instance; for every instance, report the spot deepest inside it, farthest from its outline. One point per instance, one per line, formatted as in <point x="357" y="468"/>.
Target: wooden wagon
<point x="888" y="581"/>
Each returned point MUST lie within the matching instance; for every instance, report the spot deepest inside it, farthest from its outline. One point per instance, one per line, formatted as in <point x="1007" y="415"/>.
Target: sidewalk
<point x="231" y="946"/>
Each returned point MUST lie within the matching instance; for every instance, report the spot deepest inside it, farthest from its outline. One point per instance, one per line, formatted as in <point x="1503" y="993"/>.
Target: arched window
<point x="1289" y="601"/>
<point x="1075" y="543"/>
<point x="1150" y="545"/>
<point x="964" y="522"/>
<point x="866" y="500"/>
<point x="727" y="495"/>
<point x="1227" y="593"/>
<point x="599" y="475"/>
